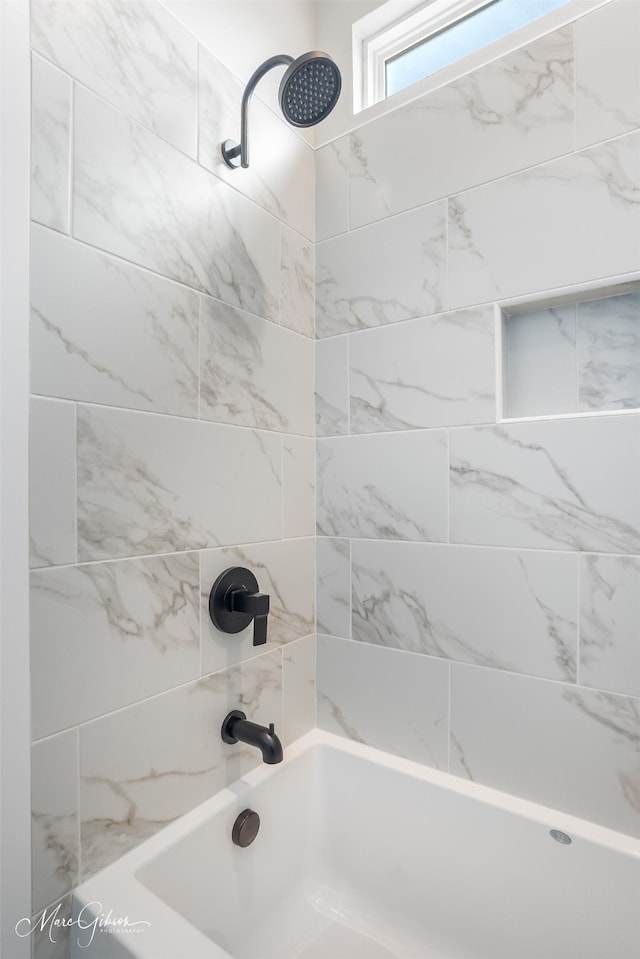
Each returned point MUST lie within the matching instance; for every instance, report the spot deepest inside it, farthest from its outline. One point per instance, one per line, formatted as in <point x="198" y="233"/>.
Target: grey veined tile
<point x="387" y="486"/>
<point x="130" y="628"/>
<point x="52" y="482"/>
<point x="436" y="371"/>
<point x="298" y="486"/>
<point x="333" y="586"/>
<point x="558" y="484"/>
<point x="609" y="353"/>
<point x="50" y="145"/>
<point x="158" y="484"/>
<point x="332" y="188"/>
<point x="137" y="197"/>
<point x="132" y="53"/>
<point x="610" y="623"/>
<point x="253" y="372"/>
<point x="506" y="609"/>
<point x="124" y="338"/>
<point x="297" y="284"/>
<point x="607" y="87"/>
<point x="332" y="386"/>
<point x="299" y="687"/>
<point x="507" y="115"/>
<point x="54" y="817"/>
<point x="388" y="699"/>
<point x="573" y="749"/>
<point x="534" y="230"/>
<point x="391" y="271"/>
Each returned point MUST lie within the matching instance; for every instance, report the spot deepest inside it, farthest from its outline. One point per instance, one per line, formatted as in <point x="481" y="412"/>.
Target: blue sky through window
<point x="490" y="23"/>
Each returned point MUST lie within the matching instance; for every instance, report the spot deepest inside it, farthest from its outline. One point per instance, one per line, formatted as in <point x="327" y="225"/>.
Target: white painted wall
<point x="15" y="885"/>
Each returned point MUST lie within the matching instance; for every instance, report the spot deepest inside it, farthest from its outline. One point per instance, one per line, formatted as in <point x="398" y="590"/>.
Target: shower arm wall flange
<point x="237" y="154"/>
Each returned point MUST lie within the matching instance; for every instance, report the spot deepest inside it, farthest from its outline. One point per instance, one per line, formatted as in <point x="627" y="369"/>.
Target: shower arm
<point x="230" y="150"/>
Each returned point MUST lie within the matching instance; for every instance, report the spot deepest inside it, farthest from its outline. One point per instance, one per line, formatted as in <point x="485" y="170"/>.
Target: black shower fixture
<point x="309" y="90"/>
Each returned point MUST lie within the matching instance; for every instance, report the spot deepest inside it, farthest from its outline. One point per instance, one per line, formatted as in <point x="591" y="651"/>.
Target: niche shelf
<point x="571" y="356"/>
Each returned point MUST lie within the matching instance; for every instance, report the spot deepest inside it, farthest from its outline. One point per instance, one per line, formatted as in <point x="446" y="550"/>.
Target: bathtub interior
<point x="357" y="861"/>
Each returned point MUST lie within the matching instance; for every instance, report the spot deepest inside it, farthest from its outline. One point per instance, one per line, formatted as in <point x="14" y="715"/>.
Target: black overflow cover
<point x="245" y="828"/>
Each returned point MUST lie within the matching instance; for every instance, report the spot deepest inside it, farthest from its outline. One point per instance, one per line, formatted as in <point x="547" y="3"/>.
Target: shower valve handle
<point x="255" y="605"/>
<point x="235" y="600"/>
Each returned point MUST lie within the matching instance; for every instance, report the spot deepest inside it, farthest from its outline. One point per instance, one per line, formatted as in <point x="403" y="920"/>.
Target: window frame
<point x="399" y="24"/>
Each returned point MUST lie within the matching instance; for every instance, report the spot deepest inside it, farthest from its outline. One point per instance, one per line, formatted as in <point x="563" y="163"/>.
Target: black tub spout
<point x="238" y="729"/>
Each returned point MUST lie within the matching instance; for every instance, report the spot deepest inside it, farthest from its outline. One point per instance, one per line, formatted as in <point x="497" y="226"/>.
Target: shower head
<point x="308" y="93"/>
<point x="310" y="89"/>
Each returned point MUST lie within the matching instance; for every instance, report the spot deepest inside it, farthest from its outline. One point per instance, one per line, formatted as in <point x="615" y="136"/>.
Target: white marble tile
<point x="391" y="271"/>
<point x="285" y="571"/>
<point x="50" y="145"/>
<point x="610" y="623"/>
<point x="297" y="283"/>
<point x="609" y="353"/>
<point x="332" y="189"/>
<point x="563" y="222"/>
<point x="332" y="386"/>
<point x="502" y="117"/>
<point x="143" y="766"/>
<point x="137" y="197"/>
<point x="391" y="486"/>
<point x="158" y="484"/>
<point x="607" y="72"/>
<point x="54" y="818"/>
<point x="52" y="482"/>
<point x="124" y="338"/>
<point x="385" y="698"/>
<point x="298" y="486"/>
<point x="333" y="586"/>
<point x="540" y="358"/>
<point x="107" y="635"/>
<point x="132" y="53"/>
<point x="280" y="177"/>
<point x="254" y="373"/>
<point x="436" y="371"/>
<point x="51" y="941"/>
<point x="299" y="688"/>
<point x="501" y="608"/>
<point x="570" y="748"/>
<point x="546" y="485"/>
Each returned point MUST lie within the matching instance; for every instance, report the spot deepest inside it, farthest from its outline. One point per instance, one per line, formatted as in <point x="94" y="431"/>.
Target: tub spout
<point x="238" y="729"/>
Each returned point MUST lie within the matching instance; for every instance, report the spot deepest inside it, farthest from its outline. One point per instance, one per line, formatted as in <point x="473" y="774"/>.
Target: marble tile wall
<point x="172" y="429"/>
<point x="477" y="581"/>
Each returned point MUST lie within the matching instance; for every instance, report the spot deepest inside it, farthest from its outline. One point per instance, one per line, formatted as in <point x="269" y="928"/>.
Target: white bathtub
<point x="364" y="856"/>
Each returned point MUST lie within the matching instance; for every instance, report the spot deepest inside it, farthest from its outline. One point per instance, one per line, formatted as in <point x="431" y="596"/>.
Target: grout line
<point x="75" y="483"/>
<point x="165" y="555"/>
<point x="79" y="804"/>
<point x="350" y="594"/>
<point x="71" y="172"/>
<point x="197" y="155"/>
<point x="578" y="618"/>
<point x="449" y="717"/>
<point x="448" y="487"/>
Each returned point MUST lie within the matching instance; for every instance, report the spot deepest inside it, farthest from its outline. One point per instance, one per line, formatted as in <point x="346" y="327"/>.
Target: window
<point x="398" y="45"/>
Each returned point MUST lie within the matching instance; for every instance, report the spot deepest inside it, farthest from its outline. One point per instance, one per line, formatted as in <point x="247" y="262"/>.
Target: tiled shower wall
<point x="172" y="428"/>
<point x="479" y="583"/>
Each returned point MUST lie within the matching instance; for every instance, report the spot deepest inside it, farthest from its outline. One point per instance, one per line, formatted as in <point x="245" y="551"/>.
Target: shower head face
<point x="310" y="89"/>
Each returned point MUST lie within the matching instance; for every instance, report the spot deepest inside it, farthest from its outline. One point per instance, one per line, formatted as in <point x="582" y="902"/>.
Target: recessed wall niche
<point x="572" y="357"/>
